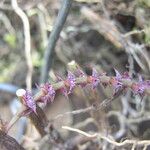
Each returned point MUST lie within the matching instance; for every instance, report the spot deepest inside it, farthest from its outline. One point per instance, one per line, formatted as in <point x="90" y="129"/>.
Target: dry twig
<point x="109" y="140"/>
<point x="27" y="41"/>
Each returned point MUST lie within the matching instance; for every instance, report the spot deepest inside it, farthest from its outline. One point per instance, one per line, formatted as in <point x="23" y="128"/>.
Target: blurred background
<point x="104" y="34"/>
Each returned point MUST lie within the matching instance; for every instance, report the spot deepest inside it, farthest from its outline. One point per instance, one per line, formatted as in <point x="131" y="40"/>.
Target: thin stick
<point x="109" y="140"/>
<point x="79" y="131"/>
<point x="27" y="40"/>
<point x="60" y="21"/>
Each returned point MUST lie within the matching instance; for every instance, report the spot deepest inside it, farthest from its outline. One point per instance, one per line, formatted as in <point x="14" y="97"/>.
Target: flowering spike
<point x="71" y="80"/>
<point x="49" y="93"/>
<point x="95" y="78"/>
<point x="29" y="101"/>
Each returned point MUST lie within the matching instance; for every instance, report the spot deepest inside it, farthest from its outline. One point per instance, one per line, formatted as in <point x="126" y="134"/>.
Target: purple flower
<point x="116" y="82"/>
<point x="141" y="86"/>
<point x="125" y="75"/>
<point x="29" y="101"/>
<point x="95" y="78"/>
<point x="71" y="80"/>
<point x="49" y="93"/>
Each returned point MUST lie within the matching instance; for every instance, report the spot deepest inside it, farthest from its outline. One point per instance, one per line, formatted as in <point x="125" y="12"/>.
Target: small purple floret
<point x="71" y="80"/>
<point x="118" y="84"/>
<point x="125" y="75"/>
<point x="140" y="87"/>
<point x="95" y="78"/>
<point x="29" y="101"/>
<point x="49" y="93"/>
